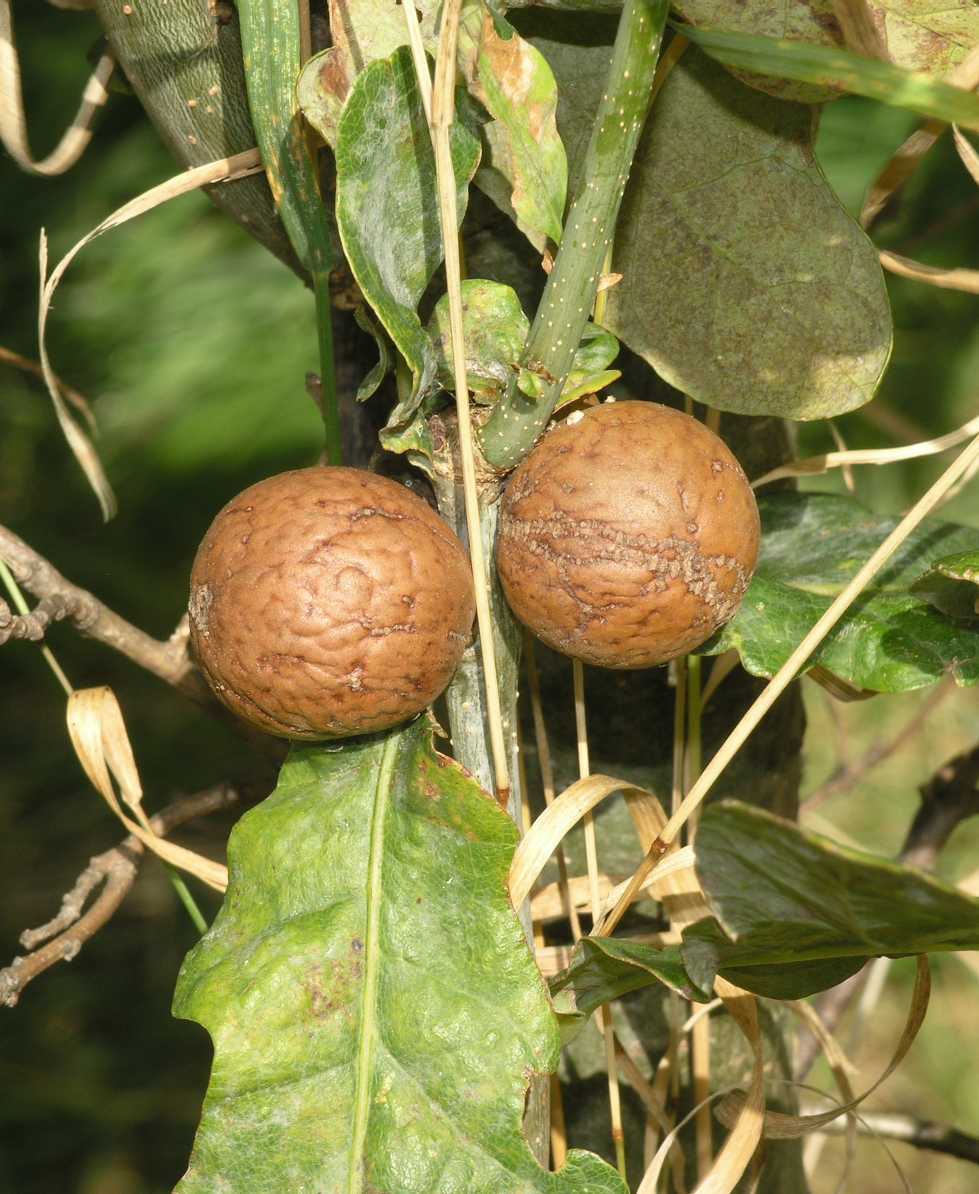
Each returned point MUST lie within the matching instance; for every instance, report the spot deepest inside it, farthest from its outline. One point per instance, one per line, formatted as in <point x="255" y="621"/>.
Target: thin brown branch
<point x="922" y="1133"/>
<point x="58" y="598"/>
<point x="69" y="393"/>
<point x="849" y="775"/>
<point x="948" y="799"/>
<point x="114" y="872"/>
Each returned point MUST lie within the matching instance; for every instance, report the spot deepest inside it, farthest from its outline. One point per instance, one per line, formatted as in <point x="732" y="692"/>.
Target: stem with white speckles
<point x="517" y="420"/>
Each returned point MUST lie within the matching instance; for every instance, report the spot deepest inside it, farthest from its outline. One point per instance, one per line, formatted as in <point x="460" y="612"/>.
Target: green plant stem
<point x="329" y="402"/>
<point x="17" y="597"/>
<point x="272" y="41"/>
<point x="188" y="901"/>
<point x="572" y="285"/>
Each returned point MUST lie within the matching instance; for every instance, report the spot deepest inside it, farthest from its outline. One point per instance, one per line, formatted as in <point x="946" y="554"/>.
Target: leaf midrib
<point x="366" y="1033"/>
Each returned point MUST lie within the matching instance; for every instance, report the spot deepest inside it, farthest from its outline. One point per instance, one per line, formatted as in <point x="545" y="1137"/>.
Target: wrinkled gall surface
<point x="628" y="537"/>
<point x="327" y="602"/>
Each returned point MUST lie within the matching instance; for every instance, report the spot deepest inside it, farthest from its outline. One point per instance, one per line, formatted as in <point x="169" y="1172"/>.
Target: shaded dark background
<point x="194" y="343"/>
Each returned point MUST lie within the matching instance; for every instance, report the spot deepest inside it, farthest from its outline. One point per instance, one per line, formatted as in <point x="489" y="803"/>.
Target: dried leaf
<point x="225" y="170"/>
<point x="98" y="734"/>
<point x="933" y="275"/>
<point x="13" y="123"/>
<point x="513" y="81"/>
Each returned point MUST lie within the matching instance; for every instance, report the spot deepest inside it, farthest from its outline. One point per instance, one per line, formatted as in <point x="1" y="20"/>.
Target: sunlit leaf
<point x="892" y="639"/>
<point x="374" y="1006"/>
<point x="514" y="83"/>
<point x="784" y="896"/>
<point x="495" y="330"/>
<point x="394" y="246"/>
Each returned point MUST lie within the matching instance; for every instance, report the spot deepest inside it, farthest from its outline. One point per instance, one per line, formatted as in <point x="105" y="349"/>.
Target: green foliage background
<point x="195" y="343"/>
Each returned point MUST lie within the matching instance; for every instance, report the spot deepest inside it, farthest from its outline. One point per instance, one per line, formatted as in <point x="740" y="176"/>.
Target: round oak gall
<point x="627" y="538"/>
<point x="327" y="602"/>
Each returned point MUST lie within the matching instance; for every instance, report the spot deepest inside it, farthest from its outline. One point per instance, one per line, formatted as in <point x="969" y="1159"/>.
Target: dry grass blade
<point x="98" y="734"/>
<point x="860" y="32"/>
<point x="738" y="1149"/>
<point x="552" y="902"/>
<point x="418" y="58"/>
<point x="814" y="465"/>
<point x="546" y="766"/>
<point x="899" y="169"/>
<point x="933" y="275"/>
<point x="793" y="1126"/>
<point x="595" y="905"/>
<point x="970" y="159"/>
<point x="907" y="158"/>
<point x="553" y="825"/>
<point x="225" y="170"/>
<point x="443" y="114"/>
<point x="673" y="881"/>
<point x="13" y="122"/>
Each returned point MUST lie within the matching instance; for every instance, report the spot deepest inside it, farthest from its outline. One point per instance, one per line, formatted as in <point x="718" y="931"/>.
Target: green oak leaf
<point x="951" y="585"/>
<point x="394" y="246"/>
<point x="746" y="284"/>
<point x="373" y="1004"/>
<point x="495" y="330"/>
<point x="385" y="356"/>
<point x="606" y="968"/>
<point x="589" y="371"/>
<point x="795" y="913"/>
<point x="784" y="897"/>
<point x="525" y="169"/>
<point x="578" y="49"/>
<point x="892" y="639"/>
<point x="913" y="34"/>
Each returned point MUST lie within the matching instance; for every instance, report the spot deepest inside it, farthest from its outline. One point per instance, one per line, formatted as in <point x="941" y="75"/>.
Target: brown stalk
<point x="114" y="872"/>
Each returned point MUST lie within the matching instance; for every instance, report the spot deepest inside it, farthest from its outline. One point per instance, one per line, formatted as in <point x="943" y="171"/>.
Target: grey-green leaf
<point x="892" y="639"/>
<point x="785" y="896"/>
<point x="374" y="1006"/>
<point x="707" y="951"/>
<point x="387" y="209"/>
<point x="746" y="284"/>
